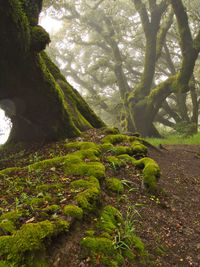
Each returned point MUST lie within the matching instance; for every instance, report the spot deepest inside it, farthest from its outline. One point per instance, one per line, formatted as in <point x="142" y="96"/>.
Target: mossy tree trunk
<point x="143" y="102"/>
<point x="44" y="107"/>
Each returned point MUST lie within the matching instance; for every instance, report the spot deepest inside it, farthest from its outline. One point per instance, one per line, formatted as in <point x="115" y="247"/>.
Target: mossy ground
<point x="86" y="213"/>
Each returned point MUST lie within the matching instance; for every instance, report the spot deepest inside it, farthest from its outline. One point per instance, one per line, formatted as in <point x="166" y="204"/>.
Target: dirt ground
<point x="178" y="218"/>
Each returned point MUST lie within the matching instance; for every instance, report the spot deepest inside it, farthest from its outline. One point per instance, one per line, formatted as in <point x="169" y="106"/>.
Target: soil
<point x="168" y="223"/>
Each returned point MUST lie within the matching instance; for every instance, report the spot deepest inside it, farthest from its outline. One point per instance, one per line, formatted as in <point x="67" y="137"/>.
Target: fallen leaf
<point x="98" y="258"/>
<point x="30" y="220"/>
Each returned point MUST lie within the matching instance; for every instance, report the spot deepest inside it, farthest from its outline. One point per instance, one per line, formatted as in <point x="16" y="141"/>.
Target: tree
<point x="44" y="107"/>
<point x="115" y="31"/>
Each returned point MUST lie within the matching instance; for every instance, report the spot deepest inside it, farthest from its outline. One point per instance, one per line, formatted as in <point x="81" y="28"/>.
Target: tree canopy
<point x="133" y="60"/>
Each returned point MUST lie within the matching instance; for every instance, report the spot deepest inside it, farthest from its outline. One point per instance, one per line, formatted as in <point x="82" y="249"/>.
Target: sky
<point x="50" y="25"/>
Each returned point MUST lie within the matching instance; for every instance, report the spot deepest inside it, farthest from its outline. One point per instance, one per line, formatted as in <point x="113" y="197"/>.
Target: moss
<point x="81" y="145"/>
<point x="109" y="220"/>
<point x="58" y="161"/>
<point x="126" y="158"/>
<point x="99" y="245"/>
<point x="29" y="238"/>
<point x="9" y="171"/>
<point x="106" y="147"/>
<point x="91" y="154"/>
<point x="48" y="187"/>
<point x="114" y="185"/>
<point x="129" y="255"/>
<point x="115" y="162"/>
<point x="6" y="227"/>
<point x="138" y="149"/>
<point x="151" y="173"/>
<point x="19" y="31"/>
<point x="111" y="130"/>
<point x="12" y="216"/>
<point x="53" y="208"/>
<point x="54" y="70"/>
<point x="114" y="139"/>
<point x="73" y="211"/>
<point x="122" y="150"/>
<point x="95" y="169"/>
<point x="88" y="199"/>
<point x="87" y="183"/>
<point x="39" y="38"/>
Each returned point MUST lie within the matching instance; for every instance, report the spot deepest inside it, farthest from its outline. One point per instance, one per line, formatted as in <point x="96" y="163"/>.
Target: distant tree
<point x="44" y="106"/>
<point x="126" y="48"/>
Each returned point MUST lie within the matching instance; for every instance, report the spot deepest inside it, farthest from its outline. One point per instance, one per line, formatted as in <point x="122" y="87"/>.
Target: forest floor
<point x="168" y="222"/>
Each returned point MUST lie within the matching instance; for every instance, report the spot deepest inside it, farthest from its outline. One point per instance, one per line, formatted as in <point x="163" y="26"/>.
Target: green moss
<point x="48" y="187"/>
<point x="138" y="149"/>
<point x="151" y="173"/>
<point x="114" y="185"/>
<point x="118" y="150"/>
<point x="111" y="130"/>
<point x="12" y="216"/>
<point x="39" y="38"/>
<point x="73" y="211"/>
<point x="115" y="162"/>
<point x="98" y="245"/>
<point x="91" y="154"/>
<point x="106" y="147"/>
<point x="95" y="169"/>
<point x="88" y="199"/>
<point x="114" y="139"/>
<point x="6" y="227"/>
<point x="29" y="238"/>
<point x="9" y="171"/>
<point x="126" y="158"/>
<point x="54" y="70"/>
<point x="81" y="145"/>
<point x="87" y="183"/>
<point x="109" y="220"/>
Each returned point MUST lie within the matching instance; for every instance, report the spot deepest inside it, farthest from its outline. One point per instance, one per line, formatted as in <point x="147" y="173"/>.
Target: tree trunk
<point x="44" y="107"/>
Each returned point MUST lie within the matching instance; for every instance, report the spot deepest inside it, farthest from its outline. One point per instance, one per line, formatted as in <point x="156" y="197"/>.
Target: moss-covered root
<point x="115" y="242"/>
<point x="26" y="247"/>
<point x="151" y="173"/>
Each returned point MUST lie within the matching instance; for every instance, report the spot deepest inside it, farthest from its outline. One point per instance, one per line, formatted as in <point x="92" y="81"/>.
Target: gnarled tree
<point x="43" y="106"/>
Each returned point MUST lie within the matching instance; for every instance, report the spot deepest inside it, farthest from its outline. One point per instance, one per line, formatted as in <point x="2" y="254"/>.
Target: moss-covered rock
<point x="73" y="211"/>
<point x="86" y="183"/>
<point x="95" y="169"/>
<point x="89" y="199"/>
<point x="114" y="185"/>
<point x="137" y="148"/>
<point x="119" y="150"/>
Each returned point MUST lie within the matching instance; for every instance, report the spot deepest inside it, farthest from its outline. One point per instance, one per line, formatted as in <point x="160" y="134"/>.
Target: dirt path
<point x="175" y="223"/>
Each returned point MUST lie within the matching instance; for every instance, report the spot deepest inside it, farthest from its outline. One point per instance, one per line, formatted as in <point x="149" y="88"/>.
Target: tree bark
<point x="44" y="107"/>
